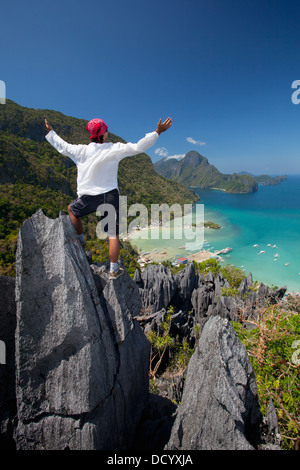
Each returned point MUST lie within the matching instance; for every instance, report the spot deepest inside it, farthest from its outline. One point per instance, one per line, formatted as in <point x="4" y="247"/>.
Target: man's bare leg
<point x="114" y="249"/>
<point x="76" y="221"/>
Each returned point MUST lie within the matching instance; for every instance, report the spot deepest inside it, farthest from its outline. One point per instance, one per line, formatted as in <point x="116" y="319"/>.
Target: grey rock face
<point x="156" y="424"/>
<point x="270" y="436"/>
<point x="158" y="288"/>
<point x="207" y="300"/>
<point x="7" y="369"/>
<point x="153" y="322"/>
<point x="120" y="300"/>
<point x="185" y="282"/>
<point x="219" y="407"/>
<point x="82" y="358"/>
<point x="202" y="300"/>
<point x="188" y="291"/>
<point x="245" y="284"/>
<point x="76" y="376"/>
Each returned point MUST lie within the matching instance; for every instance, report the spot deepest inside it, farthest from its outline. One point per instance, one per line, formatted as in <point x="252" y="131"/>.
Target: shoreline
<point x="239" y="236"/>
<point x="202" y="255"/>
<point x="146" y="258"/>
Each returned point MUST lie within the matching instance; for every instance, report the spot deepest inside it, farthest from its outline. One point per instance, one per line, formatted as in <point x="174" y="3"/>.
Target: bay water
<point x="262" y="228"/>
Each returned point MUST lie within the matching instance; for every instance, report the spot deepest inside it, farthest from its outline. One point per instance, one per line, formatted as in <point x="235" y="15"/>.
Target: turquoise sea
<point x="268" y="218"/>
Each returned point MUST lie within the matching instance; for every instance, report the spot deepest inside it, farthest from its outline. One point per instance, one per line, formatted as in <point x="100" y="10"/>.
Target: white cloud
<point x="161" y="151"/>
<point x="178" y="157"/>
<point x="195" y="142"/>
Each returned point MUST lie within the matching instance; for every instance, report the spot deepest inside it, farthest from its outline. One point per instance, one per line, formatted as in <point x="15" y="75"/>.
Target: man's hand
<point x="48" y="127"/>
<point x="163" y="126"/>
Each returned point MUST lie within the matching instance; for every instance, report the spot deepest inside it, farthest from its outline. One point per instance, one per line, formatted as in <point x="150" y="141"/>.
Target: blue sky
<point x="222" y="69"/>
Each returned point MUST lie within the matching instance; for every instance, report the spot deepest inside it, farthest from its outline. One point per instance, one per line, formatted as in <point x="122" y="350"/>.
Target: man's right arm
<point x="68" y="150"/>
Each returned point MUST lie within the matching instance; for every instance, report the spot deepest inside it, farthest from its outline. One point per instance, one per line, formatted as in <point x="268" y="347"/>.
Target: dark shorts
<point x="87" y="204"/>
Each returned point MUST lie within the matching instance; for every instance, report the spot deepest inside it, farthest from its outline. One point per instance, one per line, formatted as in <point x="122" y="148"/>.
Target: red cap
<point x="96" y="127"/>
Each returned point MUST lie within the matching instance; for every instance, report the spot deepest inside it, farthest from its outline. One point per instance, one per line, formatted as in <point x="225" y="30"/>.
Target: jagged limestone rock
<point x="185" y="282"/>
<point x="156" y="424"/>
<point x="270" y="436"/>
<point x="120" y="300"/>
<point x="245" y="285"/>
<point x="202" y="300"/>
<point x="191" y="292"/>
<point x="77" y="384"/>
<point x="158" y="288"/>
<point x="7" y="367"/>
<point x="219" y="408"/>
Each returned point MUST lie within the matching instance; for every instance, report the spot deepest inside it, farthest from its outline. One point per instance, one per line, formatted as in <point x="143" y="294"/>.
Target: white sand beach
<point x="201" y="256"/>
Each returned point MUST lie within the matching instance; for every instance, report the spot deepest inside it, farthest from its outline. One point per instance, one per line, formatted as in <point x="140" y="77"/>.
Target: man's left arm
<point x="130" y="149"/>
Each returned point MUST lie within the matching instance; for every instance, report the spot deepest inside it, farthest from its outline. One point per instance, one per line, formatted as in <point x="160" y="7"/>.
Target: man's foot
<point x="116" y="274"/>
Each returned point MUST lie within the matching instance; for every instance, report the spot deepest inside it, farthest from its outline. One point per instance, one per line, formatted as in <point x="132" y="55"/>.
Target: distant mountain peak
<point x="194" y="170"/>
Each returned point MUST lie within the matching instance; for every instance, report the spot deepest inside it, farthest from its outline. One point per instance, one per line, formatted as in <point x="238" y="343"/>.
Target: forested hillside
<point x="33" y="176"/>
